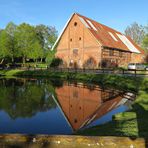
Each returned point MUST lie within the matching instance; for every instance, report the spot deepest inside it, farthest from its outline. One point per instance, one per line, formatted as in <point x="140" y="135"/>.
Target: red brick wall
<point x="137" y="58"/>
<point x="87" y="47"/>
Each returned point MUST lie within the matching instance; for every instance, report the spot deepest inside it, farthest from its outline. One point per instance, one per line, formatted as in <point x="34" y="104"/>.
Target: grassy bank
<point x="126" y="83"/>
<point x="131" y="123"/>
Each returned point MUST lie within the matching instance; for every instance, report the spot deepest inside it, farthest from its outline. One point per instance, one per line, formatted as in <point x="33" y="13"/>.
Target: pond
<point x="44" y="106"/>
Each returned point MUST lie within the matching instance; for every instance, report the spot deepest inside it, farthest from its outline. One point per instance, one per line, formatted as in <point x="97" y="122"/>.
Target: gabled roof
<point x="107" y="36"/>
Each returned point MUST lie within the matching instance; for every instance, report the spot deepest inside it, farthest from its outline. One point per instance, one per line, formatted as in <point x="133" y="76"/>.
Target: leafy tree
<point x="11" y="42"/>
<point x="7" y="41"/>
<point x="47" y="36"/>
<point x="136" y="32"/>
<point x="52" y="36"/>
<point x="4" y="46"/>
<point x="36" y="51"/>
<point x="145" y="42"/>
<point x="27" y="41"/>
<point x="50" y="56"/>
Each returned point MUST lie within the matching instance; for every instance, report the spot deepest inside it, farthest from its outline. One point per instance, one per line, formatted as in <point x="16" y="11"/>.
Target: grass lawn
<point x="133" y="123"/>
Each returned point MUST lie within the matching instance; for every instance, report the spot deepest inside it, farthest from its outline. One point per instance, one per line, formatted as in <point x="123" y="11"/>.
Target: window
<point x="75" y="121"/>
<point x="75" y="52"/>
<point x="75" y="24"/>
<point x="79" y="38"/>
<point x="111" y="52"/>
<point x="70" y="40"/>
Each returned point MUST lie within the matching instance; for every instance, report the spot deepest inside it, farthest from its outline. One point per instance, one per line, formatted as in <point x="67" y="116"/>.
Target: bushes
<point x="56" y="62"/>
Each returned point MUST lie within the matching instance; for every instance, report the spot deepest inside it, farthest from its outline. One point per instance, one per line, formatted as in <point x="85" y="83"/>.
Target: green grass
<point x="133" y="123"/>
<point x="126" y="83"/>
<point x="10" y="72"/>
<point x="130" y="123"/>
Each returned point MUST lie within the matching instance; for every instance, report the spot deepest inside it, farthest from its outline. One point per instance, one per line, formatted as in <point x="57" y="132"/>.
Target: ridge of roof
<point x="105" y="35"/>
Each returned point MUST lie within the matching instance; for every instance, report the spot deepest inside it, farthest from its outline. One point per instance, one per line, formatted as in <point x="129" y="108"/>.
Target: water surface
<point x="43" y="106"/>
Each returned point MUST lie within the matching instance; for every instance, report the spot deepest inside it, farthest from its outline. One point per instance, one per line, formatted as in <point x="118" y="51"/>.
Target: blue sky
<point x="114" y="13"/>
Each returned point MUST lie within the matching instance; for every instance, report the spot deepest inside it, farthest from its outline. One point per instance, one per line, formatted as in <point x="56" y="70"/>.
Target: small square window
<point x="75" y="52"/>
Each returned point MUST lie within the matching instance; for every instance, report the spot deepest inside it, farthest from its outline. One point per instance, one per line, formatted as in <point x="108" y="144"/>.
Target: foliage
<point x="26" y="41"/>
<point x="4" y="45"/>
<point x="50" y="56"/>
<point x="47" y="36"/>
<point x="56" y="62"/>
<point x="10" y="30"/>
<point x="145" y="42"/>
<point x="136" y="32"/>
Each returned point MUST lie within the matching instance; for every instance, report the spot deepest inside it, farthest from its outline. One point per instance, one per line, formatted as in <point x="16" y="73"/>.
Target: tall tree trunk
<point x="1" y="61"/>
<point x="12" y="59"/>
<point x="24" y="60"/>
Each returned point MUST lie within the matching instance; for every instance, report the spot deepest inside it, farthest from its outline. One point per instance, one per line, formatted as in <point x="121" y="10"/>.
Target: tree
<point x="7" y="41"/>
<point x="145" y="42"/>
<point x="27" y="42"/>
<point x="47" y="36"/>
<point x="36" y="51"/>
<point x="4" y="46"/>
<point x="136" y="32"/>
<point x="145" y="39"/>
<point x="11" y="42"/>
<point x="50" y="56"/>
<point x="52" y="36"/>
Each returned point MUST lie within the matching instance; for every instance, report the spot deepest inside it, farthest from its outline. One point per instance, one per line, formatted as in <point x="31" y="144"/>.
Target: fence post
<point x="103" y="70"/>
<point x="84" y="69"/>
<point x="135" y="72"/>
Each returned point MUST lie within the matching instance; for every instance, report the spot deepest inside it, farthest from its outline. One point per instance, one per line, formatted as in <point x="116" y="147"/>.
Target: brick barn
<point x="85" y="43"/>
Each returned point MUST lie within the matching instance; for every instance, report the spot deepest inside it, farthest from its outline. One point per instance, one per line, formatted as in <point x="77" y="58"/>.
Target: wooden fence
<point x="93" y="71"/>
<point x="102" y="71"/>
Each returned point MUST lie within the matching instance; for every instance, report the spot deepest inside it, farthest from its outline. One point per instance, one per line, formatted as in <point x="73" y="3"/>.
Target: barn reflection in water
<point x="82" y="104"/>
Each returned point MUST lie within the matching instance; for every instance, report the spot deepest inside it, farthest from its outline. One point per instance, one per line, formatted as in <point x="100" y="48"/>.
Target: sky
<point x="117" y="14"/>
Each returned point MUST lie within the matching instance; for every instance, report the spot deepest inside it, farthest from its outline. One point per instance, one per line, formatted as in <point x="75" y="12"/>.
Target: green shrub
<point x="56" y="62"/>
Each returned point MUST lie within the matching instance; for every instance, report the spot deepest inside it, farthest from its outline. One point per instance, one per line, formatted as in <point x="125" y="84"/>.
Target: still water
<point x="43" y="106"/>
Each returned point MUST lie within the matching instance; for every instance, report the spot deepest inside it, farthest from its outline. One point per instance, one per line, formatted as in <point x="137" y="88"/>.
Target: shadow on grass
<point x="142" y="121"/>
